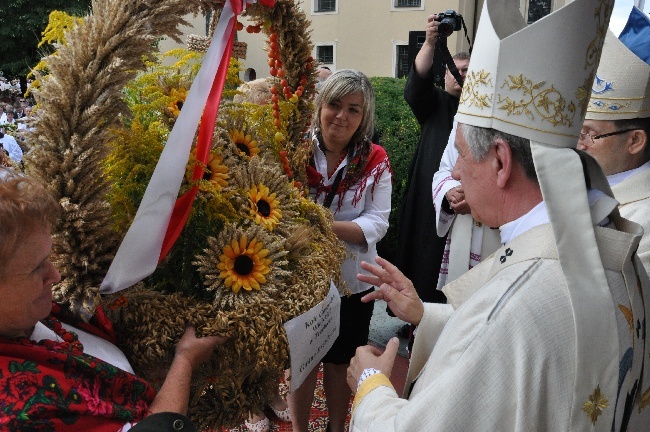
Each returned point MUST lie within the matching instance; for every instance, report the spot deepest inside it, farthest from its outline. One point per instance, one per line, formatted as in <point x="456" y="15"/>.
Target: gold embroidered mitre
<point x="534" y="81"/>
<point x="622" y="86"/>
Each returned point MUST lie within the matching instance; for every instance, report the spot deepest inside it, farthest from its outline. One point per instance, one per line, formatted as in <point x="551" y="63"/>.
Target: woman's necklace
<point x="69" y="341"/>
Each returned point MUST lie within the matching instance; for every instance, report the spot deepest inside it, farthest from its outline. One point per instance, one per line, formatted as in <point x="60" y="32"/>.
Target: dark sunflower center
<point x="207" y="174"/>
<point x="179" y="105"/>
<point x="244" y="149"/>
<point x="243" y="265"/>
<point x="264" y="208"/>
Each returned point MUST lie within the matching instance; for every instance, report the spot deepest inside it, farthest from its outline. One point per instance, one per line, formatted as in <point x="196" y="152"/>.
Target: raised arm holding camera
<point x="420" y="250"/>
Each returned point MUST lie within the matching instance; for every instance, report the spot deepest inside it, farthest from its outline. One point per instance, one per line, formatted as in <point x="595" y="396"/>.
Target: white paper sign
<point x="311" y="335"/>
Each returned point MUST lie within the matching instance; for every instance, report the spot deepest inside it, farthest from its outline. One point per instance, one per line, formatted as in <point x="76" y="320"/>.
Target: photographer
<point x="419" y="249"/>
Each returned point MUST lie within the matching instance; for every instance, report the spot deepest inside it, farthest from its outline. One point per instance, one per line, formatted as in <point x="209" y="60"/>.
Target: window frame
<point x="397" y="55"/>
<point x="397" y="5"/>
<point x="331" y="65"/>
<point x="315" y="3"/>
<point x="395" y="8"/>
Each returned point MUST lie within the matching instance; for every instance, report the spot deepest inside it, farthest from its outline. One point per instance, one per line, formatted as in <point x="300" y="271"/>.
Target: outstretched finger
<point x="388" y="356"/>
<point x="369" y="279"/>
<point x="375" y="295"/>
<point x="380" y="273"/>
<point x="391" y="272"/>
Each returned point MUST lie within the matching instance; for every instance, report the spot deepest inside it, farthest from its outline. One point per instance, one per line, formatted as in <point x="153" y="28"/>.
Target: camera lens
<point x="446" y="27"/>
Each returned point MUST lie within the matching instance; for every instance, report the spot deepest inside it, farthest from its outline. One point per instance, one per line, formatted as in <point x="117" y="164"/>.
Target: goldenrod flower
<point x="265" y="207"/>
<point x="246" y="145"/>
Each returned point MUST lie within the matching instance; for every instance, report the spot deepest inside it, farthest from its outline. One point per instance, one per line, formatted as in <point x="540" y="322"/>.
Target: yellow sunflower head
<point x="246" y="145"/>
<point x="265" y="206"/>
<point x="215" y="172"/>
<point x="243" y="265"/>
<point x="177" y="97"/>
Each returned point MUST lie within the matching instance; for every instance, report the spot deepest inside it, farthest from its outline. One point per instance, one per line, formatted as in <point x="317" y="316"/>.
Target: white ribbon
<point x="138" y="254"/>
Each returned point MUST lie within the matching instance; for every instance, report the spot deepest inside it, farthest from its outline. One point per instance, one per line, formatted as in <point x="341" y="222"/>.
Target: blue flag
<point x="636" y="34"/>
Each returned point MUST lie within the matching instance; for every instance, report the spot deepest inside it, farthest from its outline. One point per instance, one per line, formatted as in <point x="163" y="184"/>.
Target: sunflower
<point x="243" y="260"/>
<point x="246" y="145"/>
<point x="262" y="194"/>
<point x="265" y="207"/>
<point x="216" y="172"/>
<point x="177" y="97"/>
<point x="244" y="264"/>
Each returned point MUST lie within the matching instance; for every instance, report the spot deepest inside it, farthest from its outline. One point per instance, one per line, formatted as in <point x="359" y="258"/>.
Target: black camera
<point x="450" y="21"/>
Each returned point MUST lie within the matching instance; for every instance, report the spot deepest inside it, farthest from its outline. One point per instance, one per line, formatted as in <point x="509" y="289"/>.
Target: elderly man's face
<point x="478" y="180"/>
<point x="610" y="152"/>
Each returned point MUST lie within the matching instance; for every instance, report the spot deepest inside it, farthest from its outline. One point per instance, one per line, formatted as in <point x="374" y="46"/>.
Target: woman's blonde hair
<point x="340" y="84"/>
<point x="25" y="205"/>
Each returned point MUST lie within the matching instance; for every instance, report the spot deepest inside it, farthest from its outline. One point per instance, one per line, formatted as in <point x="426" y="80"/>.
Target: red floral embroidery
<point x="370" y="161"/>
<point x="91" y="395"/>
<point x="55" y="386"/>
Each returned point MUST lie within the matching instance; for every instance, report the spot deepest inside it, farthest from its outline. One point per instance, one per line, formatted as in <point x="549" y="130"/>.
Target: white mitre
<point x="622" y="87"/>
<point x="535" y="82"/>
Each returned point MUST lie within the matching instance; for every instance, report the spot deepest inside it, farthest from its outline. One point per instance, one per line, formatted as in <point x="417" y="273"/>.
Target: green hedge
<point x="399" y="133"/>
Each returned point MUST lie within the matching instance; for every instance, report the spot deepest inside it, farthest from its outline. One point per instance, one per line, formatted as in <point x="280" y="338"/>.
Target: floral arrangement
<point x="255" y="251"/>
<point x="9" y="128"/>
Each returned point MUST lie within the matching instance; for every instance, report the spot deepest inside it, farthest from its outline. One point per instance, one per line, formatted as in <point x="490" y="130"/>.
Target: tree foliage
<point x="399" y="133"/>
<point x="22" y="23"/>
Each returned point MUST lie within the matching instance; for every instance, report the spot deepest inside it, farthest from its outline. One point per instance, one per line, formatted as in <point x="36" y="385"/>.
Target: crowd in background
<point x="15" y="113"/>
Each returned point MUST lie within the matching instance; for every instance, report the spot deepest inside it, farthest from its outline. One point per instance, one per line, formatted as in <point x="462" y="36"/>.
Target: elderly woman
<point x="351" y="176"/>
<point x="57" y="373"/>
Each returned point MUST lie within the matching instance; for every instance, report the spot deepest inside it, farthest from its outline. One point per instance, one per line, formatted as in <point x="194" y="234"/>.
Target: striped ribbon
<point x="161" y="216"/>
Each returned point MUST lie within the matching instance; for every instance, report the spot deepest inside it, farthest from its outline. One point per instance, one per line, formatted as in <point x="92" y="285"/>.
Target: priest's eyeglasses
<point x="584" y="136"/>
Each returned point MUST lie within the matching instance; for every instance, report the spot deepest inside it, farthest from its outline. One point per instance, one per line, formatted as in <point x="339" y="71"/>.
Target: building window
<point x="408" y="3"/>
<point x="538" y="9"/>
<point x="208" y="18"/>
<point x="325" y="54"/>
<point x="325" y="6"/>
<point x="250" y="75"/>
<point x="402" y="64"/>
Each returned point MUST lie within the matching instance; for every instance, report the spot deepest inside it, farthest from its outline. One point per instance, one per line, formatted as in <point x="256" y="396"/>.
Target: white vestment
<point x="468" y="241"/>
<point x="633" y="195"/>
<point x="501" y="356"/>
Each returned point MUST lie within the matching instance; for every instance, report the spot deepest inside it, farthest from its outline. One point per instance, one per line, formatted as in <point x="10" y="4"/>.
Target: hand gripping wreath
<point x="254" y="253"/>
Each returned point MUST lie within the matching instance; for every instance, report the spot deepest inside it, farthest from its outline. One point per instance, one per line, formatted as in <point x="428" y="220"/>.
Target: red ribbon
<point x="184" y="204"/>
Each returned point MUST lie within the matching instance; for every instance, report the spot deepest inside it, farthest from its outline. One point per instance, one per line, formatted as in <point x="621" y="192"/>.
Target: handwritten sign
<point x="311" y="335"/>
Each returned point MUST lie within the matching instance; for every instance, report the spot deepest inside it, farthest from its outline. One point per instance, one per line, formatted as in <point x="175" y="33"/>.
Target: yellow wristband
<point x="368" y="385"/>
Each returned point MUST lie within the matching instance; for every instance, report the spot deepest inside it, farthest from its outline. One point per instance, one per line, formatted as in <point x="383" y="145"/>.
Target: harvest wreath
<point x="254" y="252"/>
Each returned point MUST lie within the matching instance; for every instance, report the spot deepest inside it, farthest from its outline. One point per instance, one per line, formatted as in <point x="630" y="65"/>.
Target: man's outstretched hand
<point x="394" y="288"/>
